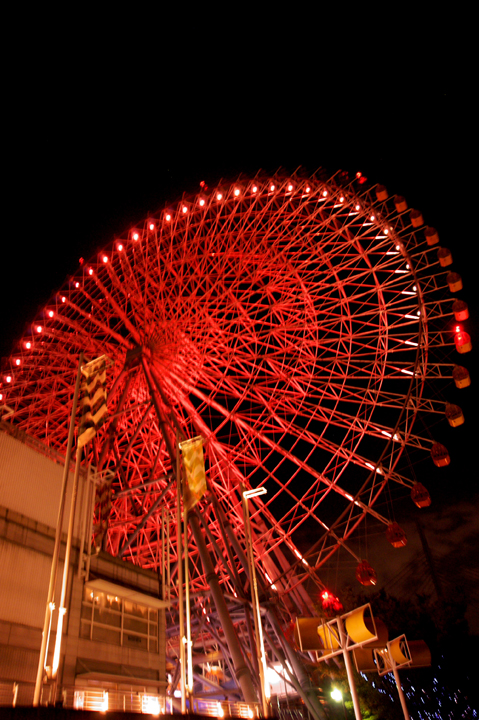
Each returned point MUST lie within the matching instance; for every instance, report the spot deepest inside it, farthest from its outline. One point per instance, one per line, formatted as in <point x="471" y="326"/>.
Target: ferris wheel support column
<point x="241" y="669"/>
<point x="298" y="674"/>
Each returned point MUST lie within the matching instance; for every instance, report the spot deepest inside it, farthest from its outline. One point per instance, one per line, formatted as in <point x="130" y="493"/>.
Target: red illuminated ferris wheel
<point x="295" y="324"/>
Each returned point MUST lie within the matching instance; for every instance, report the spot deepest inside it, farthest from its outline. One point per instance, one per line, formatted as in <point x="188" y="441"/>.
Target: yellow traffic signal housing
<point x="306" y="633"/>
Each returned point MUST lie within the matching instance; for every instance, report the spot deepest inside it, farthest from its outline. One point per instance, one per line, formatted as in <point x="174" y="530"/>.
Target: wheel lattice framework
<point x="292" y="322"/>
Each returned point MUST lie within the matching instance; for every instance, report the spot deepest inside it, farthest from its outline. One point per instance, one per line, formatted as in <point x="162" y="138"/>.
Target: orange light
<point x="358" y="207"/>
<point x="325" y="193"/>
<point x="290" y="188"/>
<point x="373" y="218"/>
<point x="272" y="188"/>
<point x="308" y="189"/>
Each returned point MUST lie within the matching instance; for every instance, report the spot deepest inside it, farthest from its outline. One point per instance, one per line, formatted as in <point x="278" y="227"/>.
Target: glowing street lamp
<point x="337" y="696"/>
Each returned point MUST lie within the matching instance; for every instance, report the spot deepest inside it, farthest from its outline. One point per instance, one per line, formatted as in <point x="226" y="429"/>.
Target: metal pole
<point x="189" y="642"/>
<point x="58" y="536"/>
<point x="83" y="515"/>
<point x="180" y="583"/>
<point x="255" y="601"/>
<point x="349" y="669"/>
<point x="400" y="691"/>
<point x="90" y="526"/>
<point x="62" y="609"/>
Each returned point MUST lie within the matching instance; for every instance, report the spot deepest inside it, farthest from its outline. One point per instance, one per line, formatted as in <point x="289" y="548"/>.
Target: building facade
<point x="113" y="652"/>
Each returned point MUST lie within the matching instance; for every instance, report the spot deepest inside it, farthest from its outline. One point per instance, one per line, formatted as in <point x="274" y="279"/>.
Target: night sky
<point x="104" y="128"/>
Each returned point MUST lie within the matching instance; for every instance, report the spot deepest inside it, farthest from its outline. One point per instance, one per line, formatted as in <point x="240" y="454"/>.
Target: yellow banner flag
<point x="194" y="464"/>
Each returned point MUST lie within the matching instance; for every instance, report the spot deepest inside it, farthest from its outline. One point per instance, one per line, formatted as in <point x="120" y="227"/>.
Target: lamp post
<point x="337" y="696"/>
<point x="265" y="693"/>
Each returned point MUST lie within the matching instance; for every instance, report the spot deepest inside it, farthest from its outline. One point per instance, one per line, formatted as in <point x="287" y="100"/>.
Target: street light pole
<point x="265" y="694"/>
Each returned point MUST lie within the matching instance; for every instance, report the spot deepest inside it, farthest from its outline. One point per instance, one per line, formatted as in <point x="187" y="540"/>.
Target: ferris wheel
<point x="295" y="324"/>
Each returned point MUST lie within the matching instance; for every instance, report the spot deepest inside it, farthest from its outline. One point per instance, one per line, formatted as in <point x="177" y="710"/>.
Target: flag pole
<point x="56" y="550"/>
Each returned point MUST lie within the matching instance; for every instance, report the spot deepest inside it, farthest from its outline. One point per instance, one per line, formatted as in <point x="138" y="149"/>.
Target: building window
<point x="112" y="619"/>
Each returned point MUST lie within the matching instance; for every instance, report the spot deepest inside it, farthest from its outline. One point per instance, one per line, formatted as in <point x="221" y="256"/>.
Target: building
<point x="113" y="650"/>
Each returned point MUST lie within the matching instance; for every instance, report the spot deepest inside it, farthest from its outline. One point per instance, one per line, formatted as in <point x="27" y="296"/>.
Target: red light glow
<point x="184" y="209"/>
<point x="51" y="313"/>
<point x="119" y="247"/>
<point x="63" y="299"/>
<point x="254" y="189"/>
<point x="135" y="236"/>
<point x="8" y="378"/>
<point x="17" y="361"/>
<point x="330" y="601"/>
<point x="219" y="196"/>
<point x="28" y="345"/>
<point x="236" y="192"/>
<point x="105" y="258"/>
<point x="90" y="271"/>
<point x="39" y="328"/>
<point x="325" y="193"/>
<point x="458" y="328"/>
<point x="167" y="217"/>
<point x="151" y="226"/>
<point x="202" y="202"/>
